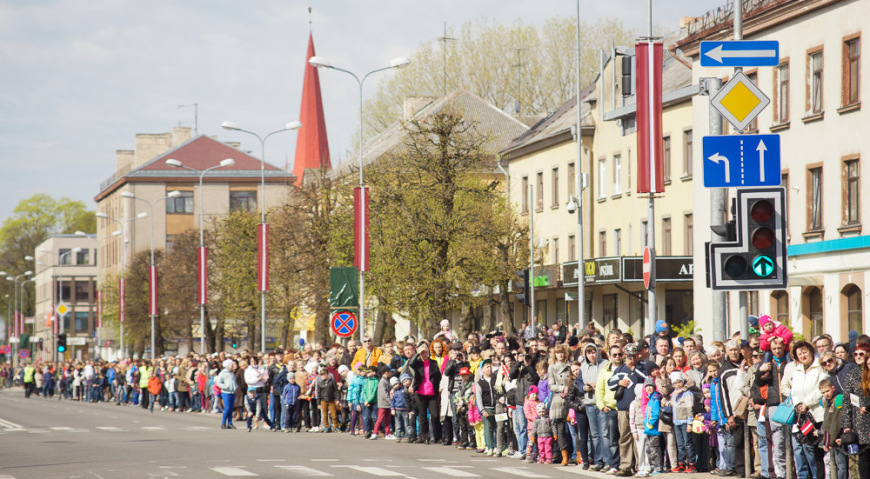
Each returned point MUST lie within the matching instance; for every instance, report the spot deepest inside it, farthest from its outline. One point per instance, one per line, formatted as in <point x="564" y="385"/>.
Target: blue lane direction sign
<point x="740" y="53"/>
<point x="741" y="160"/>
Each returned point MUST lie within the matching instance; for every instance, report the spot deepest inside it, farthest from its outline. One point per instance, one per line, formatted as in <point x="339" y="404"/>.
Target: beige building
<point x="816" y="109"/>
<point x="66" y="272"/>
<point x="145" y="174"/>
<point x="614" y="215"/>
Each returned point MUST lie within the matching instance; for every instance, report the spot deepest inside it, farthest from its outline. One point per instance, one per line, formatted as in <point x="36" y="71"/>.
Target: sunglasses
<point x="830" y="361"/>
<point x="367" y="340"/>
<point x="860" y="355"/>
<point x="617" y="355"/>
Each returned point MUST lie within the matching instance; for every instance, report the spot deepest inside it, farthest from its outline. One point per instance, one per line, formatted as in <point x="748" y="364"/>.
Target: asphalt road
<point x="47" y="438"/>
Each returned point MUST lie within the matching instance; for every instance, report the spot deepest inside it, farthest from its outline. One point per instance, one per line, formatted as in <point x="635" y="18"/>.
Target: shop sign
<point x="668" y="269"/>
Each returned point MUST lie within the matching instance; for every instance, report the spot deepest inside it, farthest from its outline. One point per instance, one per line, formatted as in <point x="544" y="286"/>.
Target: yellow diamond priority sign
<point x="739" y="101"/>
<point x="62" y="309"/>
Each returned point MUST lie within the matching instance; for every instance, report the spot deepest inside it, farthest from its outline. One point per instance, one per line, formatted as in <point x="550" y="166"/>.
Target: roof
<point x="312" y="146"/>
<point x="198" y="154"/>
<point x="499" y="126"/>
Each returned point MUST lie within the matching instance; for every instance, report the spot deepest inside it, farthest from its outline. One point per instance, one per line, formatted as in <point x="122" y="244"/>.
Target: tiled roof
<point x="203" y="152"/>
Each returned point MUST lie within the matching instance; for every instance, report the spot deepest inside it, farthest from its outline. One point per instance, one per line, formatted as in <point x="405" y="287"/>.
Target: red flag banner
<point x="263" y="257"/>
<point x="202" y="276"/>
<point x="650" y="150"/>
<point x="361" y="228"/>
<point x="122" y="303"/>
<point x="152" y="291"/>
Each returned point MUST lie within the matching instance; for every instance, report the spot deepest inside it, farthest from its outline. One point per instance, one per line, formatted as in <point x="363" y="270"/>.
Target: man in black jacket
<point x="765" y="396"/>
<point x="523" y="372"/>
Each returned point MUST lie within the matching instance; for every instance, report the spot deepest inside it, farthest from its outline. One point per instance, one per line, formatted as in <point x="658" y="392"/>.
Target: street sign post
<point x="739" y="101"/>
<point x="343" y="324"/>
<point x="740" y="53"/>
<point x="649" y="273"/>
<point x="741" y="160"/>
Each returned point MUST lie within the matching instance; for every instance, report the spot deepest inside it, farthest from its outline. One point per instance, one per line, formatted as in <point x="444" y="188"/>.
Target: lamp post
<point x="321" y="62"/>
<point x="152" y="272"/>
<point x="16" y="301"/>
<point x="202" y="258"/>
<point x="263" y="283"/>
<point x="60" y="323"/>
<point x="121" y="287"/>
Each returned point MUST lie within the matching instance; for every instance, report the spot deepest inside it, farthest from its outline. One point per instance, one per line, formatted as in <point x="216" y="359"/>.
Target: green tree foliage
<point x="507" y="65"/>
<point x="32" y="222"/>
<point x="434" y="215"/>
<point x="234" y="275"/>
<point x="179" y="308"/>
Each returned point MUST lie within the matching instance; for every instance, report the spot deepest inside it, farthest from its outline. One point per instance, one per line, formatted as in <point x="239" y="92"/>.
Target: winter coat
<point x="780" y="331"/>
<point x="589" y="374"/>
<point x="730" y="385"/>
<point x="290" y="394"/>
<point x="653" y="411"/>
<point x="604" y="396"/>
<point x="325" y="389"/>
<point x="384" y="393"/>
<point x="369" y="394"/>
<point x="530" y="410"/>
<point x="181" y="384"/>
<point x="279" y="381"/>
<point x="485" y="394"/>
<point x="860" y="423"/>
<point x="769" y="379"/>
<point x="226" y="381"/>
<point x="354" y="390"/>
<point x="416" y="368"/>
<point x="803" y="385"/>
<point x="559" y="380"/>
<point x="840" y="375"/>
<point x="525" y="376"/>
<point x="361" y="353"/>
<point x="683" y="405"/>
<point x="542" y="427"/>
<point x="398" y="401"/>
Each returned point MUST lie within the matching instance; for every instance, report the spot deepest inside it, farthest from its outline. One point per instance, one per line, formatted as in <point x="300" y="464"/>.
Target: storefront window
<point x="611" y="311"/>
<point x="679" y="307"/>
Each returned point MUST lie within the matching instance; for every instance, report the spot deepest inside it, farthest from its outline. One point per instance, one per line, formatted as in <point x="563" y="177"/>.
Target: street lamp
<point x="202" y="257"/>
<point x="263" y="283"/>
<point x="320" y="62"/>
<point x="19" y="327"/>
<point x="152" y="272"/>
<point x="60" y="323"/>
<point x="98" y="325"/>
<point x="121" y="288"/>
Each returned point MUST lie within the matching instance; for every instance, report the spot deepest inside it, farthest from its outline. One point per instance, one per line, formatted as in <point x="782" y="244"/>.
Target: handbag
<point x="741" y="410"/>
<point x="620" y="391"/>
<point x="667" y="416"/>
<point x="784" y="413"/>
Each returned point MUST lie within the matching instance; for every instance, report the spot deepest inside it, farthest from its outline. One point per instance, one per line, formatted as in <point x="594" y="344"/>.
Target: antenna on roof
<point x="519" y="66"/>
<point x="195" y="117"/>
<point x="309" y="20"/>
<point x="444" y="39"/>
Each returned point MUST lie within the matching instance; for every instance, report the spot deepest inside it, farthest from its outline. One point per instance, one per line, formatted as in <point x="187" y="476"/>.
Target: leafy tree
<point x="177" y="288"/>
<point x="234" y="274"/>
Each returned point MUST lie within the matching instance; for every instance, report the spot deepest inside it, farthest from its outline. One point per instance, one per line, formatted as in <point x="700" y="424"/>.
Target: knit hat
<point x="753" y="321"/>
<point x="661" y="326"/>
<point x="228" y="363"/>
<point x="405" y="376"/>
<point x="705" y="386"/>
<point x="763" y="319"/>
<point x="542" y="409"/>
<point x="343" y="369"/>
<point x="533" y="389"/>
<point x="357" y="365"/>
<point x="676" y="376"/>
<point x="649" y="382"/>
<point x="445" y="323"/>
<point x="394" y="381"/>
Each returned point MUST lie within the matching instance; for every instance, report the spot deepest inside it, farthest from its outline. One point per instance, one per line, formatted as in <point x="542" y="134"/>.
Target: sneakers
<point x="725" y="473"/>
<point x="374" y="437"/>
<point x="679" y="468"/>
<point x="516" y="455"/>
<point x="487" y="452"/>
<point x="612" y="471"/>
<point x="642" y="474"/>
<point x="390" y="437"/>
<point x="249" y="429"/>
<point x="689" y="468"/>
<point x="594" y="467"/>
<point x="623" y="473"/>
<point x="656" y="473"/>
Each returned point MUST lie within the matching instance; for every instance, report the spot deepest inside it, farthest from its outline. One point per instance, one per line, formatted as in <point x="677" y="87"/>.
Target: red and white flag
<point x="650" y="149"/>
<point x="263" y="257"/>
<point x="361" y="228"/>
<point x="202" y="276"/>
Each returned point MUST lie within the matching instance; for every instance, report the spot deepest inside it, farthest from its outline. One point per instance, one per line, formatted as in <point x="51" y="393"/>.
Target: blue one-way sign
<point x="741" y="160"/>
<point x="740" y="53"/>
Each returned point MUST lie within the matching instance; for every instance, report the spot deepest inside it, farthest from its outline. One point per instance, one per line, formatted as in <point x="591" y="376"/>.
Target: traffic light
<point x="522" y="288"/>
<point x="235" y="342"/>
<point x="61" y="342"/>
<point x="756" y="257"/>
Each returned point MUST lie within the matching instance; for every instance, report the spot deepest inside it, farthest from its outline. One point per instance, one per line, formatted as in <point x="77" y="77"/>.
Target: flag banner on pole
<point x="202" y="275"/>
<point x="121" y="300"/>
<point x="152" y="291"/>
<point x="650" y="148"/>
<point x="361" y="228"/>
<point x="17" y="319"/>
<point x="99" y="309"/>
<point x="263" y="257"/>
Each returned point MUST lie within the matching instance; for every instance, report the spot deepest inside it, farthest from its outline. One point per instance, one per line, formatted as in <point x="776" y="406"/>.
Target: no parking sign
<point x="343" y="324"/>
<point x="24" y="354"/>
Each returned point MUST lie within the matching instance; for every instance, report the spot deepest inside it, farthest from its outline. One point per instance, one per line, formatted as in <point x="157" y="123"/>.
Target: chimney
<point x="124" y="160"/>
<point x="180" y="134"/>
<point x="413" y="104"/>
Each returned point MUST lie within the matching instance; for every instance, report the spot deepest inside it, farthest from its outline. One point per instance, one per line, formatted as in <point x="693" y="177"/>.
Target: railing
<point x="114" y="177"/>
<point x="724" y="14"/>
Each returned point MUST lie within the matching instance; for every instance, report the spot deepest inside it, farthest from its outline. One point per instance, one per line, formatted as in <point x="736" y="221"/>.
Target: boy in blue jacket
<point x="651" y="426"/>
<point x="290" y="399"/>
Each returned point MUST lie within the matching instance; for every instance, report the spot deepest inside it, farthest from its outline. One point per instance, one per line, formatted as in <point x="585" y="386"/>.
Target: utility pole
<point x="444" y="39"/>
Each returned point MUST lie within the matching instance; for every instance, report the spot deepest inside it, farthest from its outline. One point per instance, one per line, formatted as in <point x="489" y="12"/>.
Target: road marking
<point x="197" y="428"/>
<point x="375" y="471"/>
<point x="449" y="471"/>
<point x="154" y="428"/>
<point x="518" y="471"/>
<point x="233" y="471"/>
<point x="9" y="424"/>
<point x="111" y="429"/>
<point x="432" y="460"/>
<point x="61" y="428"/>
<point x="304" y="471"/>
<point x="271" y="460"/>
<point x="573" y="470"/>
<point x="378" y="460"/>
<point x="324" y="460"/>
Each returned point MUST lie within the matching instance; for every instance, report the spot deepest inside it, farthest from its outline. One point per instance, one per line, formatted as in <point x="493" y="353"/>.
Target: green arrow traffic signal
<point x="762" y="266"/>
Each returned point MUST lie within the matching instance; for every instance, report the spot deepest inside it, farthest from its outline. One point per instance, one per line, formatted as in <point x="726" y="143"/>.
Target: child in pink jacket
<point x="771" y="329"/>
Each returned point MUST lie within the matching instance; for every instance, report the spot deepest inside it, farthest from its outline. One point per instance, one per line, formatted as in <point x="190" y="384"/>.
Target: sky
<point x="79" y="79"/>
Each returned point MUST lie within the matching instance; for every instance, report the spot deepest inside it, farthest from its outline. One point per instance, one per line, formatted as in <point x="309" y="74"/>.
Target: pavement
<point x="46" y="438"/>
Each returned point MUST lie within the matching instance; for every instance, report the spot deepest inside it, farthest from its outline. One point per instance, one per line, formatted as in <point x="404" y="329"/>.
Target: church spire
<point x="312" y="147"/>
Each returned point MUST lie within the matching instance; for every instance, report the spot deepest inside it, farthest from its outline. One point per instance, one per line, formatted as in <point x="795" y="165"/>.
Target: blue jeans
<point x="685" y="451"/>
<point x="842" y="461"/>
<point x="581" y="442"/>
<point x="521" y="429"/>
<point x="229" y="400"/>
<point x="289" y="416"/>
<point x="598" y="446"/>
<point x="726" y="444"/>
<point x="572" y="430"/>
<point x="609" y="428"/>
<point x="370" y="415"/>
<point x="805" y="463"/>
<point x="275" y="409"/>
<point x="403" y="424"/>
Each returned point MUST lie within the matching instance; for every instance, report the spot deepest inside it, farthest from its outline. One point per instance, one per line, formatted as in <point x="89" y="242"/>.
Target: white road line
<point x="304" y="471"/>
<point x="233" y="471"/>
<point x="375" y="471"/>
<point x="154" y="428"/>
<point x="324" y="460"/>
<point x="111" y="429"/>
<point x="573" y="470"/>
<point x="9" y="424"/>
<point x="449" y="471"/>
<point x="7" y="476"/>
<point x="61" y="428"/>
<point x="432" y="460"/>
<point x="518" y="471"/>
<point x="271" y="460"/>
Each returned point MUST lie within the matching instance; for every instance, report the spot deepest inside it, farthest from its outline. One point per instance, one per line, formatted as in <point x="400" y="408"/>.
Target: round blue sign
<point x="343" y="324"/>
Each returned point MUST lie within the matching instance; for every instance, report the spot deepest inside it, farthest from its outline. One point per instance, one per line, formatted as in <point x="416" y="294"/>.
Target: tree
<point x="510" y="66"/>
<point x="432" y="220"/>
<point x="234" y="275"/>
<point x="34" y="220"/>
<point x="177" y="288"/>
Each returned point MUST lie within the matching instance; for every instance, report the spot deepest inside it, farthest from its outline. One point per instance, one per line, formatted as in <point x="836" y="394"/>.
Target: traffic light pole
<point x="718" y="198"/>
<point x="531" y="291"/>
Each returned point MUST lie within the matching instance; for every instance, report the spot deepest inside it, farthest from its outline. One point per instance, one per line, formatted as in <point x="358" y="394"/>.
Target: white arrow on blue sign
<point x="740" y="53"/>
<point x="741" y="160"/>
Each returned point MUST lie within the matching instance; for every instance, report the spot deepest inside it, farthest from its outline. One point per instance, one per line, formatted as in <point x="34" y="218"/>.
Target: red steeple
<point x="312" y="147"/>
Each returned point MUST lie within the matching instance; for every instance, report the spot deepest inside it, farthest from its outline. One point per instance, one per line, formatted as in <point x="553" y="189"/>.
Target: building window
<point x="555" y="187"/>
<point x="687" y="153"/>
<point x="689" y="239"/>
<point x="64" y="256"/>
<point x="611" y="310"/>
<point x="540" y="193"/>
<point x="602" y="178"/>
<point x="602" y="244"/>
<point x="666" y="236"/>
<point x="853" y="308"/>
<point x="780" y="300"/>
<point x="180" y="204"/>
<point x="83" y="257"/>
<point x="243" y="200"/>
<point x="643" y="234"/>
<point x="82" y="320"/>
<point x="525" y="194"/>
<point x="572" y="248"/>
<point x="752" y="303"/>
<point x="617" y="242"/>
<point x="666" y="142"/>
<point x="83" y="291"/>
<point x="815" y="310"/>
<point x="617" y="174"/>
<point x="852" y="193"/>
<point x="852" y="71"/>
<point x="814" y="221"/>
<point x="781" y="108"/>
<point x="556" y="251"/>
<point x="572" y="180"/>
<point x="815" y="62"/>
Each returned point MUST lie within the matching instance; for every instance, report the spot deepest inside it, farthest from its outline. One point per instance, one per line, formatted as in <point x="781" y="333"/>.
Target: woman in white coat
<point x="802" y="384"/>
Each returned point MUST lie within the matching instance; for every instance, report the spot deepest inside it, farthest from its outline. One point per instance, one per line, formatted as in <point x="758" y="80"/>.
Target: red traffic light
<point x="762" y="238"/>
<point x="761" y="211"/>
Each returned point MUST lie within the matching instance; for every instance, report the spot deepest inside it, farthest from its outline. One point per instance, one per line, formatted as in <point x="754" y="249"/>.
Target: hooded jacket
<point x="525" y="376"/>
<point x="803" y="386"/>
<point x="589" y="374"/>
<point x="604" y="396"/>
<point x="653" y="411"/>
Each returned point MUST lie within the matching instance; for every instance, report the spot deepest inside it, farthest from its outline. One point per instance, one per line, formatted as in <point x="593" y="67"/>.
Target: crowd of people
<point x="606" y="402"/>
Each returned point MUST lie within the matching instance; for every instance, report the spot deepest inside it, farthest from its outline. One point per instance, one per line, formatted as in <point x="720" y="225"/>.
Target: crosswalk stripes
<point x="233" y="471"/>
<point x="375" y="471"/>
<point x="10" y="426"/>
<point x="304" y="471"/>
<point x="442" y="471"/>
<point x="519" y="471"/>
<point x="451" y="472"/>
